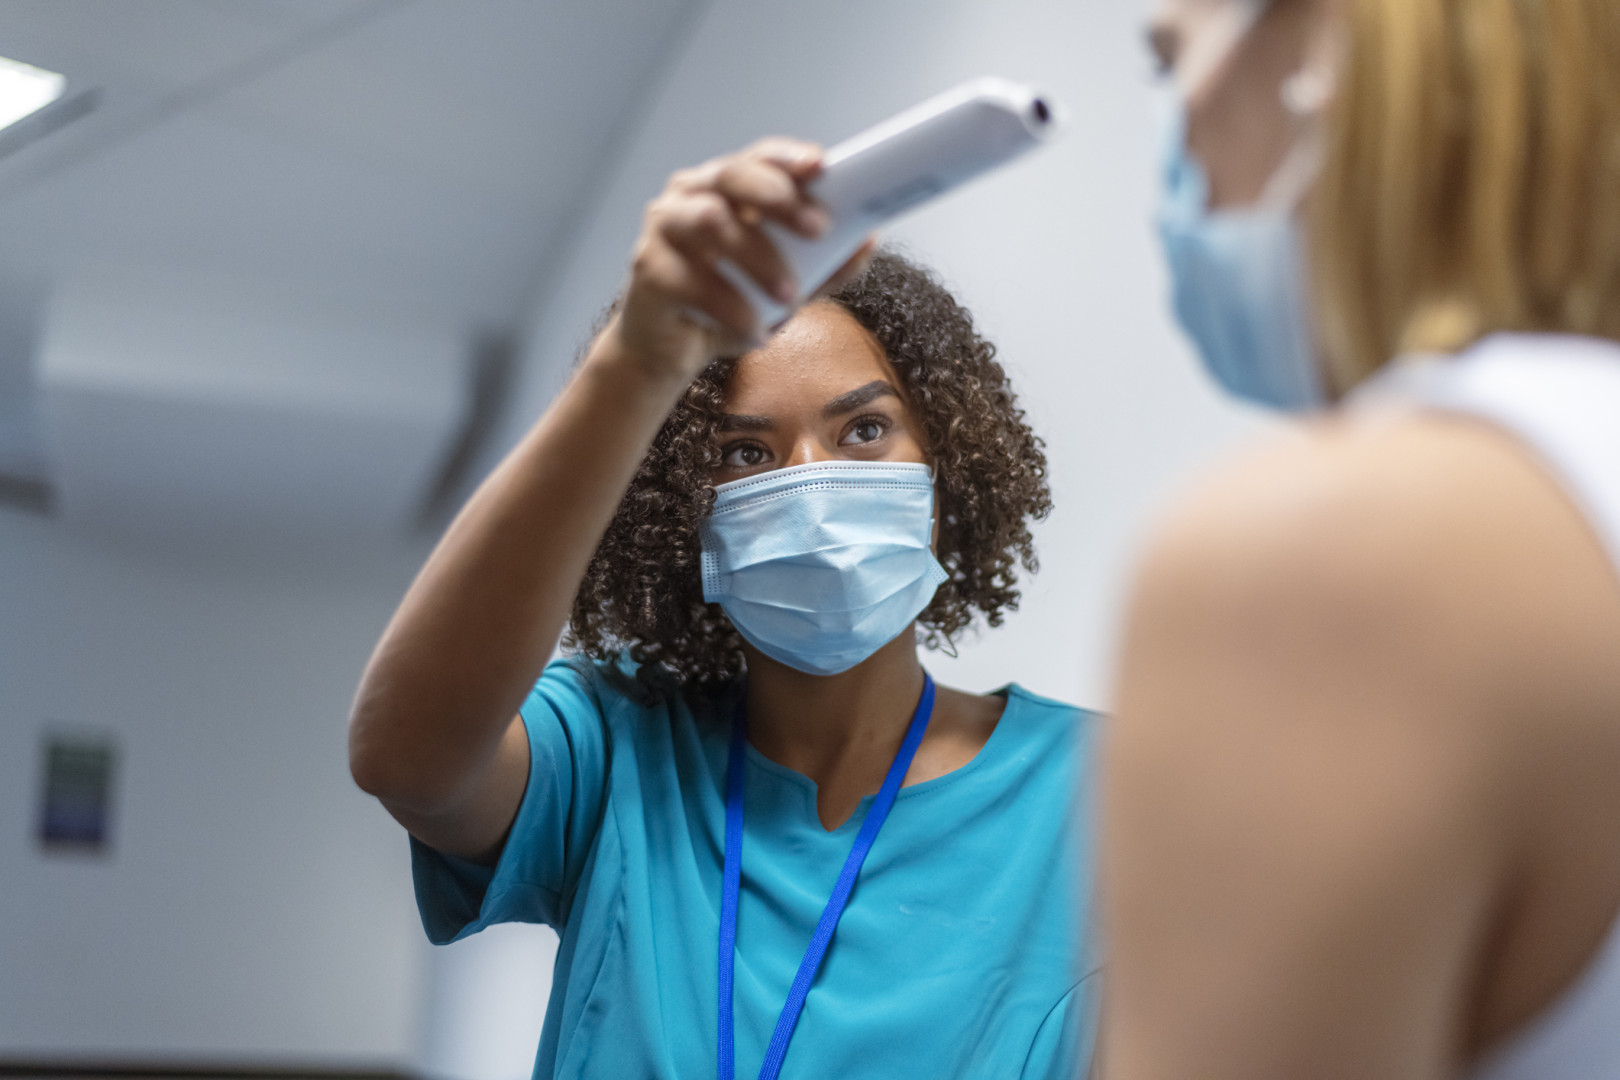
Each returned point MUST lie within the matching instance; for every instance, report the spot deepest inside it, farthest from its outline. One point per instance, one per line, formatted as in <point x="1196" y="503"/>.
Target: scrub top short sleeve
<point x="539" y="869"/>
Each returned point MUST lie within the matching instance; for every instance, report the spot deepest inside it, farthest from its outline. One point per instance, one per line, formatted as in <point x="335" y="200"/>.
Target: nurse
<point x="770" y="843"/>
<point x="1362" y="794"/>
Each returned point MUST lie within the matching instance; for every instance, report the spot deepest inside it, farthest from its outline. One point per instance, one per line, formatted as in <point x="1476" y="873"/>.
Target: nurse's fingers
<point x="714" y="212"/>
<point x="765" y="182"/>
<point x="799" y="159"/>
<point x="696" y="292"/>
<point x="760" y="189"/>
<point x="704" y="226"/>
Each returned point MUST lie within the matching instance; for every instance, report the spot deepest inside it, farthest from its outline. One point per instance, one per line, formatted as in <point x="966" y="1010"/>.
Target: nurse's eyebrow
<point x="853" y="400"/>
<point x="744" y="422"/>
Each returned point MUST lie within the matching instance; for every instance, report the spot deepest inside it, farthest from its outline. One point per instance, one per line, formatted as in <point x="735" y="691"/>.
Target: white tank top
<point x="1560" y="398"/>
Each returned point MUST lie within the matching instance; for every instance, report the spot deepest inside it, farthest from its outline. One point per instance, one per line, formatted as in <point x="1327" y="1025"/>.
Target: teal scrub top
<point x="964" y="951"/>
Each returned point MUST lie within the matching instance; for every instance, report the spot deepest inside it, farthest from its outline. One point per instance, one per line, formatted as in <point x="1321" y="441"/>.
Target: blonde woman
<point x="1362" y="807"/>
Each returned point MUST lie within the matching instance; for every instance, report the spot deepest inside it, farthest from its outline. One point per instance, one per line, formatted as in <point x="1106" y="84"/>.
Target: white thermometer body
<point x="873" y="178"/>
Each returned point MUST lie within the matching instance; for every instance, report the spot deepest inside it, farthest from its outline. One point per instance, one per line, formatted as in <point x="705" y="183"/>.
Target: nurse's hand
<point x="678" y="312"/>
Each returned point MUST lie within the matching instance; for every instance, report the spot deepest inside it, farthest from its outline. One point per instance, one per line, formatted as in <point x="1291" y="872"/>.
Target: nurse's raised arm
<point x="433" y="733"/>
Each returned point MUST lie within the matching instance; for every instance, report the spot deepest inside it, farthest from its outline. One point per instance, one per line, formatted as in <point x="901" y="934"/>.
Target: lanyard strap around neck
<point x="731" y="882"/>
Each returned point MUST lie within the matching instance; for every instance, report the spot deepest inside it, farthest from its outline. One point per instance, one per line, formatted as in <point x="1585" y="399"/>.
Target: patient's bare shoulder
<point x="1408" y="622"/>
<point x="1427" y="544"/>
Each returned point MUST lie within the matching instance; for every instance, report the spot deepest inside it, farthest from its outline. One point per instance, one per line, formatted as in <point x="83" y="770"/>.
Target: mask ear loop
<point x="933" y="519"/>
<point x="1307" y="92"/>
<point x="949" y="647"/>
<point x="1306" y="95"/>
<point x="1292" y="181"/>
<point x="1203" y="57"/>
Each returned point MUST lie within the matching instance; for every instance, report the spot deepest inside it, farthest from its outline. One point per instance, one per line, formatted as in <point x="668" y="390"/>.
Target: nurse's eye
<point x="744" y="455"/>
<point x="868" y="429"/>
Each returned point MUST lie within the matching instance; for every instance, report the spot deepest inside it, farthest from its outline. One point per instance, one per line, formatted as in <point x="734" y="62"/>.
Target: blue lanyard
<point x="735" y="782"/>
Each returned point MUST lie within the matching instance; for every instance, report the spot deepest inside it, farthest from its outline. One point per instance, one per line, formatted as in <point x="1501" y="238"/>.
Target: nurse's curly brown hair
<point x="642" y="592"/>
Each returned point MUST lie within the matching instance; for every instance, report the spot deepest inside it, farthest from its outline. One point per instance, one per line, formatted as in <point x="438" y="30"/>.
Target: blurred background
<point x="279" y="281"/>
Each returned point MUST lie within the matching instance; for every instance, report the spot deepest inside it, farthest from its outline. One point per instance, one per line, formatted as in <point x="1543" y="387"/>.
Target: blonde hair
<point x="1472" y="178"/>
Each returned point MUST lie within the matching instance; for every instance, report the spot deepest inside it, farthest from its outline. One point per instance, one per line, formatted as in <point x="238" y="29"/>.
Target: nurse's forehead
<point x="820" y="353"/>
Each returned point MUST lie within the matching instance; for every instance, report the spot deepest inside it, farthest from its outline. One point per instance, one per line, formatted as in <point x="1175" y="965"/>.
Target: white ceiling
<point x="420" y="153"/>
<point x="409" y="165"/>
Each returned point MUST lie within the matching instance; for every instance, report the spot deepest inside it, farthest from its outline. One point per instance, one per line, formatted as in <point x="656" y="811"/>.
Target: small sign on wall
<point x="75" y="809"/>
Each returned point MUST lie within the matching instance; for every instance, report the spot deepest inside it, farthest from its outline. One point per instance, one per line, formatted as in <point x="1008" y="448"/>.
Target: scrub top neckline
<point x="811" y="790"/>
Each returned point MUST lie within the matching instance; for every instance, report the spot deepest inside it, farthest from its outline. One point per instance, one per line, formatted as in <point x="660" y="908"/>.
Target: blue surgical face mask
<point x="819" y="566"/>
<point x="1238" y="283"/>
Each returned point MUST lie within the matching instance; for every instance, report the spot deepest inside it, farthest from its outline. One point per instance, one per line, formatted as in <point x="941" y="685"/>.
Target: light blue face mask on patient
<point x="819" y="566"/>
<point x="1238" y="285"/>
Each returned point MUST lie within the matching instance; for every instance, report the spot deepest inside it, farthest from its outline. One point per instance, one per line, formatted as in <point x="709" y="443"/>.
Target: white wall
<point x="486" y="1004"/>
<point x="255" y="905"/>
<point x="1056" y="257"/>
<point x="241" y="411"/>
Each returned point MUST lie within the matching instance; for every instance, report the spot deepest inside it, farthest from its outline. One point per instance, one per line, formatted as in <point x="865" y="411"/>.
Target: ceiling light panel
<point x="26" y="89"/>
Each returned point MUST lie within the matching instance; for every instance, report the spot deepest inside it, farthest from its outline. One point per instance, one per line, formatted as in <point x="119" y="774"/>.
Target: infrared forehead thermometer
<point x="897" y="166"/>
